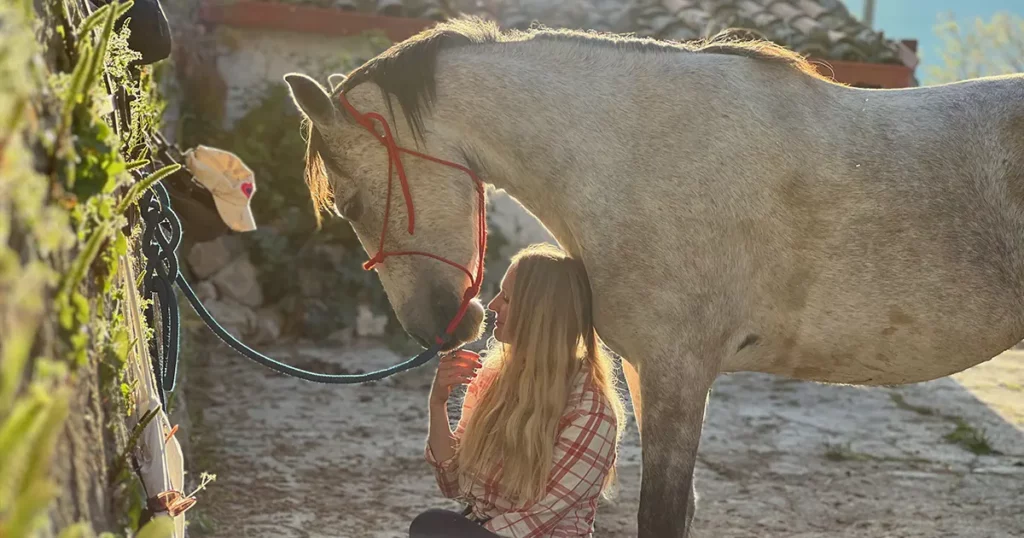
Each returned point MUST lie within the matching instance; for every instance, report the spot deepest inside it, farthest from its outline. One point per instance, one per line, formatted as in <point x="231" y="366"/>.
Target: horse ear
<point x="335" y="80"/>
<point x="311" y="98"/>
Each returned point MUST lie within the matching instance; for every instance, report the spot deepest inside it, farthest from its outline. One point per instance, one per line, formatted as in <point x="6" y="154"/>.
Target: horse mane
<point x="315" y="174"/>
<point x="407" y="70"/>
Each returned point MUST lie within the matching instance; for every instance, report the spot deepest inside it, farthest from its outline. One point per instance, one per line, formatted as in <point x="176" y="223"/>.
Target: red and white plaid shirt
<point x="583" y="456"/>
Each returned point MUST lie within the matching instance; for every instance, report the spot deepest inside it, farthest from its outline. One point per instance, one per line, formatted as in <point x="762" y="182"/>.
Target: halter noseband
<point x="395" y="162"/>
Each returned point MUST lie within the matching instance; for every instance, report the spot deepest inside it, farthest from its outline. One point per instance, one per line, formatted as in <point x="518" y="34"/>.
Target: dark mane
<point x="406" y="71"/>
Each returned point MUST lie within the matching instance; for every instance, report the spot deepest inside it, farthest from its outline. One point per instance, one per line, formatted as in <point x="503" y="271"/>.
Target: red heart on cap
<point x="247" y="189"/>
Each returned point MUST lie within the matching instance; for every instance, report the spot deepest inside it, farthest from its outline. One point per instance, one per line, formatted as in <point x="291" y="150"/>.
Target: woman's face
<point x="500" y="306"/>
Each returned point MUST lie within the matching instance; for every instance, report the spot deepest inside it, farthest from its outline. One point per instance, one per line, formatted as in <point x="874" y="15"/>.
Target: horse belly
<point x="870" y="361"/>
<point x="886" y="338"/>
<point x="898" y="281"/>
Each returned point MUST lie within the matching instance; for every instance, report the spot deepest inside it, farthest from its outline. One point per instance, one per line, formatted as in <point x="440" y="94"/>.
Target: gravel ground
<point x="778" y="458"/>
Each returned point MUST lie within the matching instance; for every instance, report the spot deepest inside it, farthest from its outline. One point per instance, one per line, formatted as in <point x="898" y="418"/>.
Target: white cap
<point x="229" y="180"/>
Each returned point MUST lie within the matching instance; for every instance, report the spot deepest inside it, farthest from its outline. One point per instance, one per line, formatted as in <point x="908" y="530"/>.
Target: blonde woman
<point x="536" y="444"/>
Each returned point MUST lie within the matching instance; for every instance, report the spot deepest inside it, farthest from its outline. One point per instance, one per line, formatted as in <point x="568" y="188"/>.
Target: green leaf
<point x="120" y="244"/>
<point x="113" y="169"/>
<point x="85" y="258"/>
<point x="98" y="15"/>
<point x="79" y="348"/>
<point x="78" y="530"/>
<point x="65" y="314"/>
<point x="121" y="344"/>
<point x="46" y="442"/>
<point x="27" y="441"/>
<point x="14" y="355"/>
<point x="134" y="165"/>
<point x="136" y="190"/>
<point x="158" y="527"/>
<point x="35" y="490"/>
<point x="28" y="514"/>
<point x="96" y="61"/>
<point x="104" y="210"/>
<point x="82" y="308"/>
<point x="16" y="436"/>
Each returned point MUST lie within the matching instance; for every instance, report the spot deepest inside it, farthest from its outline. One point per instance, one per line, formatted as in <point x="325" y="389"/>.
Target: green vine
<point x="65" y="186"/>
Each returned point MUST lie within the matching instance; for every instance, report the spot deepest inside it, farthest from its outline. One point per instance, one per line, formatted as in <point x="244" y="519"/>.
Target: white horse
<point x="735" y="211"/>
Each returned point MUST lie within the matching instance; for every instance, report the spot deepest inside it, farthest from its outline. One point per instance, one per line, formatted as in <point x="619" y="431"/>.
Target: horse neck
<point x="541" y="132"/>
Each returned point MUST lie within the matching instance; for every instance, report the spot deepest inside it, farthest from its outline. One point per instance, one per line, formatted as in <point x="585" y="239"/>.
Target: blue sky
<point x="916" y="19"/>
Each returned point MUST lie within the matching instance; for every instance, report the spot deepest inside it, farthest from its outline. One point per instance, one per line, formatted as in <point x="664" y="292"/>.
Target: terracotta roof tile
<point x="424" y="9"/>
<point x="821" y="28"/>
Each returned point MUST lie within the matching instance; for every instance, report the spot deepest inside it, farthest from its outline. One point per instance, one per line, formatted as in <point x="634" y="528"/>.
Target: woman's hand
<point x="458" y="368"/>
<point x="453" y="369"/>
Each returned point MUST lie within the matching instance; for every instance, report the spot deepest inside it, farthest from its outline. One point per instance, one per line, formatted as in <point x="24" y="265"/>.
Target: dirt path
<point x="778" y="458"/>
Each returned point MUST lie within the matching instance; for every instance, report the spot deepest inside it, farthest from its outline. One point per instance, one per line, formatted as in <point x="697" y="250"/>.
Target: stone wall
<point x="227" y="283"/>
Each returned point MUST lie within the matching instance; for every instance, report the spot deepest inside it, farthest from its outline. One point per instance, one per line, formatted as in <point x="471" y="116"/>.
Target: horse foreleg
<point x="677" y="394"/>
<point x="633" y="382"/>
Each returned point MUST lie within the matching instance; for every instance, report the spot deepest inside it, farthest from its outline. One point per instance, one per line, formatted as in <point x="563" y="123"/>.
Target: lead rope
<point x="162" y="235"/>
<point x="163" y="272"/>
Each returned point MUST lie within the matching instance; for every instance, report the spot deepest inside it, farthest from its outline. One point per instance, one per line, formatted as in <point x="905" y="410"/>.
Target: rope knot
<point x="372" y="262"/>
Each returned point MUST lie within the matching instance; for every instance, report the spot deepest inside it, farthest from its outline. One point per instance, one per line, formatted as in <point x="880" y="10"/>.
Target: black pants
<point x="437" y="523"/>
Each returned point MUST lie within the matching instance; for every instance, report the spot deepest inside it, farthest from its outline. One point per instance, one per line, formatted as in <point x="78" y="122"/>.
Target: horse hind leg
<point x="676" y="389"/>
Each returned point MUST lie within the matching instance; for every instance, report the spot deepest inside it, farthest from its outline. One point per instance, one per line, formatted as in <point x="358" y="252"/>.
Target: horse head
<point x="351" y="172"/>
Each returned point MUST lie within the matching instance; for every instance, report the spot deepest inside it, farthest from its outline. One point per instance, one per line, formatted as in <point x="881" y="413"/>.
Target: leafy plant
<point x="982" y="48"/>
<point x="64" y="188"/>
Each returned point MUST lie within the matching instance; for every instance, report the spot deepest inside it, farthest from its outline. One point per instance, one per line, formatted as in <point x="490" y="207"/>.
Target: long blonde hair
<point x="515" y="422"/>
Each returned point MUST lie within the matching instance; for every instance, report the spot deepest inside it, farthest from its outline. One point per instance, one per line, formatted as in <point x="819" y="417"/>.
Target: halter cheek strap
<point x="367" y="121"/>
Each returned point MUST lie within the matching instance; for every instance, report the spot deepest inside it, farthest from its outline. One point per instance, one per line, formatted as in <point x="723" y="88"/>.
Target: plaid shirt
<point x="583" y="456"/>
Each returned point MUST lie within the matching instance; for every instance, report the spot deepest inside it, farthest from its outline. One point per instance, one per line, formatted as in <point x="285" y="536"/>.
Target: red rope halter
<point x="395" y="162"/>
